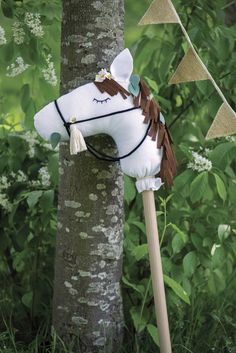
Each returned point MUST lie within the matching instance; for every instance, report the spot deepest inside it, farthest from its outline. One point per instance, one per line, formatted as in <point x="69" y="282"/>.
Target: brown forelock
<point x="112" y="88"/>
<point x="150" y="108"/>
<point x="151" y="111"/>
<point x="168" y="164"/>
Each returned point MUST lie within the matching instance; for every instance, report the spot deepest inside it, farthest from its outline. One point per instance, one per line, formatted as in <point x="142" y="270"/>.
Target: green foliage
<point x="28" y="226"/>
<point x="197" y="220"/>
<point x="32" y="39"/>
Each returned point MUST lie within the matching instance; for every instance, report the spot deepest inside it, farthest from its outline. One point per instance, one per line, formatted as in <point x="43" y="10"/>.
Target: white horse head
<point x="123" y="121"/>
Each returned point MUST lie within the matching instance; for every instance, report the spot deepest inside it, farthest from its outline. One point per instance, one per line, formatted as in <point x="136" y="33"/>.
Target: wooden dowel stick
<point x="156" y="271"/>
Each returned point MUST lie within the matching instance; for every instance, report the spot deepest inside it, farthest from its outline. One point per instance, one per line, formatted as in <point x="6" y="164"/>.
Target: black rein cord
<point x="100" y="155"/>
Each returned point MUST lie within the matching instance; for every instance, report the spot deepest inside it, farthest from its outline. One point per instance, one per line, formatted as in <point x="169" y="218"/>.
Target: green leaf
<point x="27" y="299"/>
<point x="218" y="257"/>
<point x="223" y="231"/>
<point x="152" y="84"/>
<point x="140" y="251"/>
<point x="135" y="79"/>
<point x="33" y="198"/>
<point x="216" y="282"/>
<point x="190" y="263"/>
<point x="46" y="200"/>
<point x="7" y="8"/>
<point x="182" y="179"/>
<point x="220" y="187"/>
<point x="8" y="52"/>
<point x="29" y="114"/>
<point x="138" y="288"/>
<point x="130" y="191"/>
<point x="53" y="168"/>
<point x="25" y="97"/>
<point x="179" y="240"/>
<point x="198" y="187"/>
<point x="177" y="244"/>
<point x="139" y="225"/>
<point x="55" y="138"/>
<point x="139" y="322"/>
<point x="134" y="85"/>
<point x="219" y="155"/>
<point x="163" y="102"/>
<point x="183" y="236"/>
<point x="153" y="332"/>
<point x="205" y="87"/>
<point x="177" y="288"/>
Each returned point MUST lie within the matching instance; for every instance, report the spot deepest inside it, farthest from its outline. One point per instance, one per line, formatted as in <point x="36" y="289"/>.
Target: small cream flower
<point x="49" y="72"/>
<point x="2" y="36"/>
<point x="199" y="163"/>
<point x="102" y="75"/>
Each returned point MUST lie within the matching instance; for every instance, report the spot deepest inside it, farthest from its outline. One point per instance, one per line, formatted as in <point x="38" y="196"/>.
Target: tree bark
<point x="230" y="15"/>
<point x="87" y="303"/>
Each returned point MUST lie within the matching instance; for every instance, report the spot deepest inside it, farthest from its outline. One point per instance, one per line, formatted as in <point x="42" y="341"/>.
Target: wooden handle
<point x="156" y="271"/>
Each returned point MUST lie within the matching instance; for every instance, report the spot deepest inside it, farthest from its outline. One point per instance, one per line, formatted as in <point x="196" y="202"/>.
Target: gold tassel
<point x="77" y="143"/>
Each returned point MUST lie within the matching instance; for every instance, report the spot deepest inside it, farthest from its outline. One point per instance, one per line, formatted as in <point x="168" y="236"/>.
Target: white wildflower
<point x="199" y="163"/>
<point x="33" y="21"/>
<point x="48" y="146"/>
<point x="207" y="151"/>
<point x="17" y="68"/>
<point x="44" y="176"/>
<point x="214" y="247"/>
<point x="230" y="138"/>
<point x="35" y="183"/>
<point x="49" y="72"/>
<point x="4" y="183"/>
<point x="18" y="33"/>
<point x="20" y="176"/>
<point x="31" y="138"/>
<point x="2" y="36"/>
<point x="5" y="202"/>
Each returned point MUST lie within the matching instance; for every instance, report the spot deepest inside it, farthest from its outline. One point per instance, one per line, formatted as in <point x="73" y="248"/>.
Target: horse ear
<point x="122" y="66"/>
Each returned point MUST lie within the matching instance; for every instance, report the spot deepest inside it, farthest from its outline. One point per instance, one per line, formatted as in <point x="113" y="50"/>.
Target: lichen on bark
<point x="87" y="303"/>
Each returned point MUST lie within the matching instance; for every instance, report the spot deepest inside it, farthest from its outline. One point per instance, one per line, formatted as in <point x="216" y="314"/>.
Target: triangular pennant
<point x="191" y="68"/>
<point x="160" y="11"/>
<point x="224" y="123"/>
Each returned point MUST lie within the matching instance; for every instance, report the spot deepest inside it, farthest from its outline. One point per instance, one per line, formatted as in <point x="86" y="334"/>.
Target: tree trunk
<point x="87" y="303"/>
<point x="230" y="14"/>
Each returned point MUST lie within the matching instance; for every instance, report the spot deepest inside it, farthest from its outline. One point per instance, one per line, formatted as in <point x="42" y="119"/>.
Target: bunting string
<point x="191" y="67"/>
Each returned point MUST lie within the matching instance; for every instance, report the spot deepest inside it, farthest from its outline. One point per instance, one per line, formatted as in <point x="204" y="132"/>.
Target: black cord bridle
<point x="91" y="149"/>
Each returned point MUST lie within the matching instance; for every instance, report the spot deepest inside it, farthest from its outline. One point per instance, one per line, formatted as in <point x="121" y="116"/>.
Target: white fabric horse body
<point x="127" y="128"/>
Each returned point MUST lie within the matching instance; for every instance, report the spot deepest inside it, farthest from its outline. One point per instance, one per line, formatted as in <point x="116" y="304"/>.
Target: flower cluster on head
<point x="102" y="75"/>
<point x="199" y="163"/>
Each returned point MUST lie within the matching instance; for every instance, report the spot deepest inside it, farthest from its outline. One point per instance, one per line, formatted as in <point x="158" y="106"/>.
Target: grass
<point x="211" y="330"/>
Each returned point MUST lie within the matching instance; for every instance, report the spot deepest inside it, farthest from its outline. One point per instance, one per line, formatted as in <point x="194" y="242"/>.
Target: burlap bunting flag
<point x="191" y="68"/>
<point x="160" y="11"/>
<point x="224" y="123"/>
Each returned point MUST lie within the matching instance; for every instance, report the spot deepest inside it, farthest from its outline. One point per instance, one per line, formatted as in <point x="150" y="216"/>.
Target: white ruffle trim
<point x="148" y="183"/>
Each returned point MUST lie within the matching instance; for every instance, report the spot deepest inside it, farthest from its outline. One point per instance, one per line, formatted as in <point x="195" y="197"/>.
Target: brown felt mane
<point x="151" y="111"/>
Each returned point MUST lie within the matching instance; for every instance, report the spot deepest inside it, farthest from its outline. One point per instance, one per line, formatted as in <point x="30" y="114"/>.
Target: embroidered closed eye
<point x="101" y="101"/>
